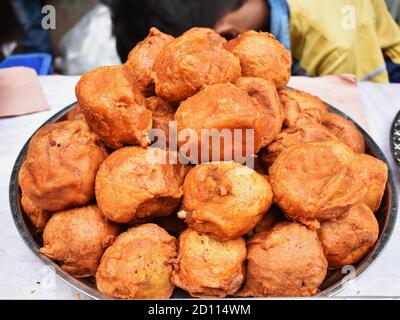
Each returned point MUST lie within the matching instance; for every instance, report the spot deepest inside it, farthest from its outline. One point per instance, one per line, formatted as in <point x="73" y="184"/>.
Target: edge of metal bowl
<point x="90" y="291"/>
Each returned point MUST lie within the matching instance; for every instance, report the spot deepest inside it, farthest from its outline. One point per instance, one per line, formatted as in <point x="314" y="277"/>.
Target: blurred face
<point x="252" y="15"/>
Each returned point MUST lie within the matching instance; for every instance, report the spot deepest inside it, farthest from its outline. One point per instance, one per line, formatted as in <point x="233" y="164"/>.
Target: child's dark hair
<point x="132" y="19"/>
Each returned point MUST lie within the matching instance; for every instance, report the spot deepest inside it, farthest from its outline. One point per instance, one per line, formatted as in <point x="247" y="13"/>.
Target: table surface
<point x="24" y="277"/>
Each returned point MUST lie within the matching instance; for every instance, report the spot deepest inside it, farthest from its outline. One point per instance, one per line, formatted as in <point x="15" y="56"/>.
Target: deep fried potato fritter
<point x="192" y="61"/>
<point x="77" y="238"/>
<point x="348" y="238"/>
<point x="261" y="55"/>
<point x="61" y="165"/>
<point x="301" y="107"/>
<point x="37" y="216"/>
<point x="142" y="57"/>
<point x="374" y="173"/>
<point x="133" y="184"/>
<point x="345" y="130"/>
<point x="224" y="199"/>
<point x="264" y="95"/>
<point x="114" y="107"/>
<point x="221" y="108"/>
<point x="287" y="261"/>
<point x="310" y="132"/>
<point x="208" y="268"/>
<point x="138" y="264"/>
<point x="316" y="181"/>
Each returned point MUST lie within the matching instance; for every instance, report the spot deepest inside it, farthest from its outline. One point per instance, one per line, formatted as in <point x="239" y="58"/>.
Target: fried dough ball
<point x="138" y="264"/>
<point x="61" y="165"/>
<point x="264" y="94"/>
<point x="77" y="239"/>
<point x="208" y="268"/>
<point x="374" y="173"/>
<point x="310" y="132"/>
<point x="221" y="108"/>
<point x="348" y="238"/>
<point x="114" y="107"/>
<point x="192" y="61"/>
<point x="301" y="107"/>
<point x="287" y="261"/>
<point x="133" y="184"/>
<point x="142" y="57"/>
<point x="345" y="130"/>
<point x="37" y="216"/>
<point x="224" y="199"/>
<point x="316" y="181"/>
<point x="163" y="115"/>
<point x="261" y="55"/>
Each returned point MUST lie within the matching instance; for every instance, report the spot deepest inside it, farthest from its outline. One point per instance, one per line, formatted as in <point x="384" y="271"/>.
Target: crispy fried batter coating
<point x="285" y="262"/>
<point x="37" y="216"/>
<point x="261" y="55"/>
<point x="374" y="173"/>
<point x="208" y="268"/>
<point x="77" y="238"/>
<point x="301" y="107"/>
<point x="75" y="113"/>
<point x="138" y="264"/>
<point x="133" y="184"/>
<point x="316" y="180"/>
<point x="192" y="61"/>
<point x="224" y="199"/>
<point x="306" y="132"/>
<point x="264" y="95"/>
<point x="61" y="165"/>
<point x="221" y="108"/>
<point x="142" y="57"/>
<point x="114" y="107"/>
<point x="163" y="114"/>
<point x="348" y="238"/>
<point x="345" y="130"/>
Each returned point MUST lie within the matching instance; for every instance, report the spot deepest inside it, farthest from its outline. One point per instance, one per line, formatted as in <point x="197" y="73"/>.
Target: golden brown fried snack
<point x="224" y="199"/>
<point x="348" y="238"/>
<point x="163" y="115"/>
<point x="77" y="239"/>
<point x="75" y="113"/>
<point x="61" y="165"/>
<point x="264" y="95"/>
<point x="38" y="217"/>
<point x="114" y="107"/>
<point x="208" y="268"/>
<point x="285" y="262"/>
<point x="261" y="55"/>
<point x="192" y="61"/>
<point x="221" y="108"/>
<point x="132" y="184"/>
<point x="316" y="181"/>
<point x="374" y="173"/>
<point x="301" y="107"/>
<point x="345" y="130"/>
<point x="142" y="57"/>
<point x="306" y="132"/>
<point x="138" y="264"/>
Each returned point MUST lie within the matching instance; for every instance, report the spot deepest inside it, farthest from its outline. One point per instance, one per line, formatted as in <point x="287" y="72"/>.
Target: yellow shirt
<point x="344" y="36"/>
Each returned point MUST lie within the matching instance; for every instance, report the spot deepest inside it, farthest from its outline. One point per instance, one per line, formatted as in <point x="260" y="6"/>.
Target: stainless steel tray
<point x="334" y="283"/>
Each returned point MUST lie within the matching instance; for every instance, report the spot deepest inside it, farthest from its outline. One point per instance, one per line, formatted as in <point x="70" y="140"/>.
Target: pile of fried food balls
<point x="213" y="229"/>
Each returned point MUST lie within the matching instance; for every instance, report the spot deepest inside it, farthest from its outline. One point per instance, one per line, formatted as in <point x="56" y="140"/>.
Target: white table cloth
<point x="23" y="276"/>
